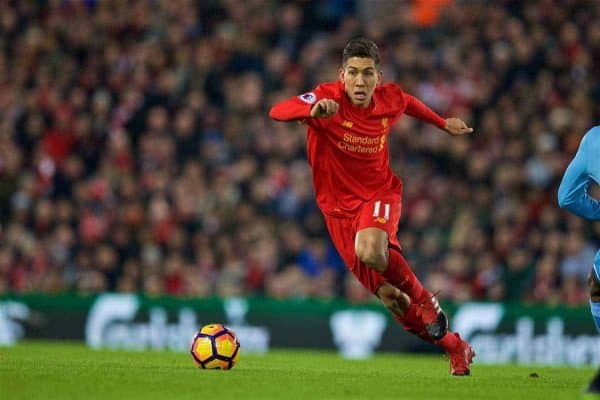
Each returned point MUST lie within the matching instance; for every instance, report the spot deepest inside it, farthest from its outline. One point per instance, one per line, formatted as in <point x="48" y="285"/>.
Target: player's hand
<point x="457" y="127"/>
<point x="324" y="108"/>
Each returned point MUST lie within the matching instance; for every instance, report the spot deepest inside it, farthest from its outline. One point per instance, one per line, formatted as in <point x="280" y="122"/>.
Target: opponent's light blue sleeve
<point x="581" y="172"/>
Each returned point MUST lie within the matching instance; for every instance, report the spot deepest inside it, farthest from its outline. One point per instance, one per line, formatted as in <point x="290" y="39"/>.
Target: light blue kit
<point x="573" y="192"/>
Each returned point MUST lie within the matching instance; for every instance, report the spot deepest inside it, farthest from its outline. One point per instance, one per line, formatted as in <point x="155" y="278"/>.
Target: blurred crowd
<point x="136" y="153"/>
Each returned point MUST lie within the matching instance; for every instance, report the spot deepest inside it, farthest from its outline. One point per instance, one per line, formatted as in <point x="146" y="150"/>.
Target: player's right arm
<point x="319" y="103"/>
<point x="417" y="109"/>
<point x="573" y="191"/>
<point x="324" y="108"/>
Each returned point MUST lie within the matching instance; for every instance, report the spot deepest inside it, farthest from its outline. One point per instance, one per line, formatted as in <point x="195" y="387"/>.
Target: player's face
<point x="360" y="77"/>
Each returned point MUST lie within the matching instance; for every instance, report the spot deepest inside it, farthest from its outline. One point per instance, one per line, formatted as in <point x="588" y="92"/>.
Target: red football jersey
<point x="348" y="152"/>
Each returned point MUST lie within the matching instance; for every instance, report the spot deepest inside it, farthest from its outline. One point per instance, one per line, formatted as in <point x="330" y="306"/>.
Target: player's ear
<point x="341" y="74"/>
<point x="379" y="77"/>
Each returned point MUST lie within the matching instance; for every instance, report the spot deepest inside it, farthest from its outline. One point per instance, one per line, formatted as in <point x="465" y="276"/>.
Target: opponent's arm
<point x="573" y="190"/>
<point x="416" y="108"/>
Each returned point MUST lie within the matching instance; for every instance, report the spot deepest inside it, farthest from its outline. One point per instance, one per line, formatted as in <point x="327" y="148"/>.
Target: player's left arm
<point x="573" y="192"/>
<point x="416" y="108"/>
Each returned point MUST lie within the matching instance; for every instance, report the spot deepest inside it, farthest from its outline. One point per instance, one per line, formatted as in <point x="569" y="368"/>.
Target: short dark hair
<point x="361" y="47"/>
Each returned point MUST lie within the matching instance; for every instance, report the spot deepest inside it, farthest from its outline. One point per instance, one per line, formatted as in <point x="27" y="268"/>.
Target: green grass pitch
<point x="62" y="370"/>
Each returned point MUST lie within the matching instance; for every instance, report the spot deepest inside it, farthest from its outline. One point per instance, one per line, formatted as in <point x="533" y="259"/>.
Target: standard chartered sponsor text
<point x="360" y="144"/>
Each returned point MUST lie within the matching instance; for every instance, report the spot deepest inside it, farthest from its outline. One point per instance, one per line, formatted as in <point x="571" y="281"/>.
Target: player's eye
<point x="352" y="72"/>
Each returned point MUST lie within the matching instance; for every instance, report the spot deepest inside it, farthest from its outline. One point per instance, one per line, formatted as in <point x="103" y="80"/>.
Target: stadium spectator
<point x="136" y="153"/>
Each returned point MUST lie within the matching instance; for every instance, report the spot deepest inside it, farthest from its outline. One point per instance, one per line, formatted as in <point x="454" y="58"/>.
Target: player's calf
<point x="393" y="299"/>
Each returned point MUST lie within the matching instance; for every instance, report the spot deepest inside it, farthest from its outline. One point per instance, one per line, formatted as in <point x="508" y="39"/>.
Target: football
<point x="215" y="347"/>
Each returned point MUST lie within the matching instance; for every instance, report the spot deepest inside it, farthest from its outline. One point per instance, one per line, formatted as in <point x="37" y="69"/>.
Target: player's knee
<point x="372" y="254"/>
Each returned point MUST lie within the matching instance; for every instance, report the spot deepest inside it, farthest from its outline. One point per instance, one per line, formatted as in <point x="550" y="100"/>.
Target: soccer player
<point x="573" y="195"/>
<point x="348" y="124"/>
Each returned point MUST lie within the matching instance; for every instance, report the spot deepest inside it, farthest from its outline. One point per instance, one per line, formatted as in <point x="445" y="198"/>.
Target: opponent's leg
<point x="594" y="285"/>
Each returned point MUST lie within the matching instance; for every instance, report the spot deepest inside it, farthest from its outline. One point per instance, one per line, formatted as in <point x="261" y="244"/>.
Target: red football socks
<point x="401" y="275"/>
<point x="449" y="342"/>
<point x="414" y="324"/>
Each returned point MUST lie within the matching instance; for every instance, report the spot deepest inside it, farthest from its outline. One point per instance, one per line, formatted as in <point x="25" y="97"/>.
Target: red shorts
<point x="382" y="212"/>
